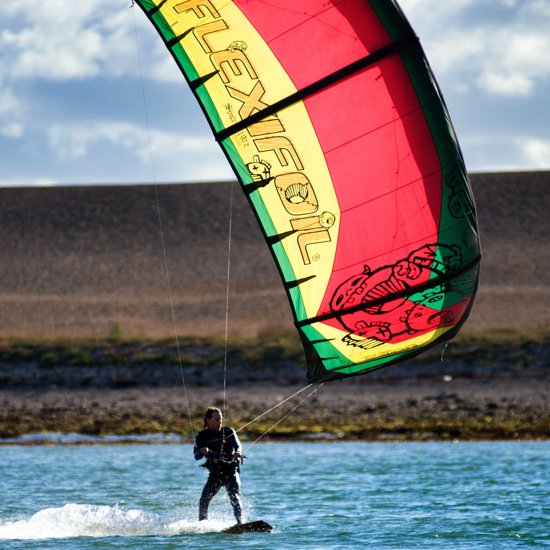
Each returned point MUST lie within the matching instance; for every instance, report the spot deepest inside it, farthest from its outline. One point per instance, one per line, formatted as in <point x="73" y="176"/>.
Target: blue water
<point x="317" y="495"/>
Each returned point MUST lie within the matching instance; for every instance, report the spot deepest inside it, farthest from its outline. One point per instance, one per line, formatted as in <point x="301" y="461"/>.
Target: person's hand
<point x="238" y="455"/>
<point x="204" y="451"/>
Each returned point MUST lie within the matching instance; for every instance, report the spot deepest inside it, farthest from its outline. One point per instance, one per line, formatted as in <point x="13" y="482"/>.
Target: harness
<point x="219" y="462"/>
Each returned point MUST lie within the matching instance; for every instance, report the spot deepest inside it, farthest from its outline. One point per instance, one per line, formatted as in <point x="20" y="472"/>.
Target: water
<point x="317" y="495"/>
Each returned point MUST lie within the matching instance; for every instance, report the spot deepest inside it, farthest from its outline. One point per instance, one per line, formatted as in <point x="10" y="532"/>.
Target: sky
<point x="90" y="95"/>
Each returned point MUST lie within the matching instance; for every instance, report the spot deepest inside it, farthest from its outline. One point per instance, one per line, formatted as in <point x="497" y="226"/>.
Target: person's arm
<point x="235" y="443"/>
<point x="200" y="450"/>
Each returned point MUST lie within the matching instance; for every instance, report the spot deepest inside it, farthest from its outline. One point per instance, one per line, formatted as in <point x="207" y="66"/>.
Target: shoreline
<point x="484" y="389"/>
<point x="438" y="409"/>
<point x="49" y="440"/>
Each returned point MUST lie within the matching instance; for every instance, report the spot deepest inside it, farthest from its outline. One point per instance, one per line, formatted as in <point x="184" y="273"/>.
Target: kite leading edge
<point x="334" y="124"/>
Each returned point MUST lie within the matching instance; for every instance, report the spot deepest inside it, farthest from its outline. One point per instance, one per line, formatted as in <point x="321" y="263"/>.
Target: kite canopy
<point x="337" y="131"/>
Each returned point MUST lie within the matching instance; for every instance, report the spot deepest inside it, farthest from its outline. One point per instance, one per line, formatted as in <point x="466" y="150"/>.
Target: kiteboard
<point x="250" y="527"/>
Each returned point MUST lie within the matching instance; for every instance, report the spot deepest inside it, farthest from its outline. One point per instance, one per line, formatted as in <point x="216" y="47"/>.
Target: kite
<point x="338" y="133"/>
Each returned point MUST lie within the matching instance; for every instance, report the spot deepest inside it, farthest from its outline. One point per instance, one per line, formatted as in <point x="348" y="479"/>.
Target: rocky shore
<point x="480" y="390"/>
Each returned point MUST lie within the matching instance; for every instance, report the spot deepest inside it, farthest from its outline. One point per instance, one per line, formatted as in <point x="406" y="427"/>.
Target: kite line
<point x="161" y="229"/>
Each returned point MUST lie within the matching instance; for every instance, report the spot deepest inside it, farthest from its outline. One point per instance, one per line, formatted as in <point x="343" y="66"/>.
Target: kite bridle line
<point x="273" y="408"/>
<point x="310" y="394"/>
<point x="226" y="342"/>
<point x="165" y="260"/>
<point x="161" y="230"/>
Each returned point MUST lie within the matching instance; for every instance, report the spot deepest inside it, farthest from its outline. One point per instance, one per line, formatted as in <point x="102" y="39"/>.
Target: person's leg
<point x="213" y="485"/>
<point x="233" y="487"/>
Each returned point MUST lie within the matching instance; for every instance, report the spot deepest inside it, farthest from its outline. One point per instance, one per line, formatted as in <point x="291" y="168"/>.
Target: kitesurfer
<point x="223" y="452"/>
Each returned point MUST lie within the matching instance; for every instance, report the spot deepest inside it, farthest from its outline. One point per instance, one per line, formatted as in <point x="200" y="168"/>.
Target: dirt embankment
<point x="89" y="261"/>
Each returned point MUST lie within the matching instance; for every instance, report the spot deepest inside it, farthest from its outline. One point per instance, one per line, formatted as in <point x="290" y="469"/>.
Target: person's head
<point x="213" y="419"/>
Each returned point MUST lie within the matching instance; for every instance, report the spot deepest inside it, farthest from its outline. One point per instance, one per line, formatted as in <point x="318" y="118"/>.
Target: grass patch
<point x="271" y="350"/>
<point x="506" y="335"/>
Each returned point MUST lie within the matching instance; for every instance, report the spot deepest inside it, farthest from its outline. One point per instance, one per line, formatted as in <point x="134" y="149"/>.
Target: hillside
<point x="89" y="261"/>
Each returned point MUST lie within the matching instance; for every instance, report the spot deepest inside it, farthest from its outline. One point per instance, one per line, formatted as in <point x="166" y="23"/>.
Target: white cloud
<point x="517" y="62"/>
<point x="425" y="13"/>
<point x="482" y="49"/>
<point x="454" y="51"/>
<point x="12" y="130"/>
<point x="505" y="84"/>
<point x="10" y="108"/>
<point x="53" y="59"/>
<point x="536" y="152"/>
<point x="9" y="104"/>
<point x="73" y="142"/>
<point x="537" y="8"/>
<point x="53" y="42"/>
<point x="499" y="47"/>
<point x="491" y="150"/>
<point x="59" y="41"/>
<point x="80" y="41"/>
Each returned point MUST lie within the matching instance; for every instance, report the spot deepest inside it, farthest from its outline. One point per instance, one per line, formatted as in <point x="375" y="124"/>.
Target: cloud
<point x="427" y="13"/>
<point x="498" y="151"/>
<point x="74" y="142"/>
<point x="64" y="70"/>
<point x="498" y="47"/>
<point x="169" y="156"/>
<point x="53" y="59"/>
<point x="52" y="43"/>
<point x="9" y="103"/>
<point x="12" y="130"/>
<point x="81" y="41"/>
<point x="538" y="8"/>
<point x="516" y="63"/>
<point x="10" y="108"/>
<point x="536" y="152"/>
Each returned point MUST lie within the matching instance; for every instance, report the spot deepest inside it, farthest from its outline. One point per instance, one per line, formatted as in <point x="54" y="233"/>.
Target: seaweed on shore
<point x="268" y="356"/>
<point x="29" y="369"/>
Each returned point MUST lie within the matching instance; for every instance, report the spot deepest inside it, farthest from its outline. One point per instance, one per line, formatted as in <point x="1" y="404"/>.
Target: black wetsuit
<point x="224" y="472"/>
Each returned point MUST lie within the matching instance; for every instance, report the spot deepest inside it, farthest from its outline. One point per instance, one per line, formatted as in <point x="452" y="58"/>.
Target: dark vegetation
<point x="442" y="400"/>
<point x="269" y="357"/>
